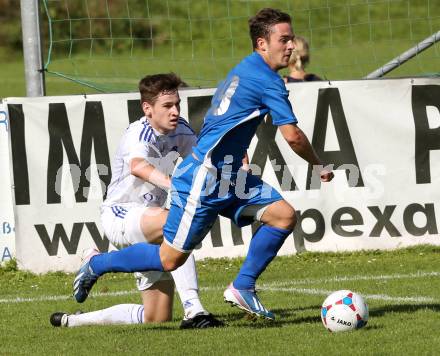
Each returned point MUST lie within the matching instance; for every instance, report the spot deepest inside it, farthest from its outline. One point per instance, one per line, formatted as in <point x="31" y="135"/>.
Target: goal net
<point x="110" y="44"/>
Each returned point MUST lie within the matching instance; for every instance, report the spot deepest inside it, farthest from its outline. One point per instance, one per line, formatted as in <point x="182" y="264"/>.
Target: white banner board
<point x="382" y="136"/>
<point x="7" y="234"/>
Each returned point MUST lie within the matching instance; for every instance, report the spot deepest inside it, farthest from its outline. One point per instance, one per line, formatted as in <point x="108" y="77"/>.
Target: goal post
<point x="32" y="51"/>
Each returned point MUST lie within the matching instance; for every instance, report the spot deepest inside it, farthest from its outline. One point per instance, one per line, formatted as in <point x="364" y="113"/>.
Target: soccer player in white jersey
<point x="213" y="182"/>
<point x="133" y="210"/>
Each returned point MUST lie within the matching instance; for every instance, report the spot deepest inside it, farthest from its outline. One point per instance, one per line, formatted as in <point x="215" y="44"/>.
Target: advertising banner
<point x="381" y="137"/>
<point x="7" y="234"/>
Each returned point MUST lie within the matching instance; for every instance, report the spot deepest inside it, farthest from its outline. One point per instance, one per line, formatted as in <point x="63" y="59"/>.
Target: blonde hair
<point x="300" y="56"/>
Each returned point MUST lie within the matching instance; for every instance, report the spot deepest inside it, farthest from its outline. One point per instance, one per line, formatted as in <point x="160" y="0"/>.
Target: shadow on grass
<point x="403" y="308"/>
<point x="283" y="317"/>
<point x="287" y="317"/>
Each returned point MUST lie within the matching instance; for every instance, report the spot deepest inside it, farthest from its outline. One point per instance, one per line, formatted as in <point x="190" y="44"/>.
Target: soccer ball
<point x="344" y="310"/>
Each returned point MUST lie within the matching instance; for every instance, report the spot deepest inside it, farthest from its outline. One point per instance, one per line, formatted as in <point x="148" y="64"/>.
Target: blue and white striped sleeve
<point x="139" y="142"/>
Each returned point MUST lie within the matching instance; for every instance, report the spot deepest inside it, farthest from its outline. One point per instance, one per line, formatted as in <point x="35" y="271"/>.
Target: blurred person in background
<point x="298" y="61"/>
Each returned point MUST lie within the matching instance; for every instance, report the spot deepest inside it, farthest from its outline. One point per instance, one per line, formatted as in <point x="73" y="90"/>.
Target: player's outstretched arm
<point x="140" y="168"/>
<point x="300" y="144"/>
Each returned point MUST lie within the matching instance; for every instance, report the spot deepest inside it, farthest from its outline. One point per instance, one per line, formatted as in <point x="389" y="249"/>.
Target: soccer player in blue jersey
<point x="213" y="182"/>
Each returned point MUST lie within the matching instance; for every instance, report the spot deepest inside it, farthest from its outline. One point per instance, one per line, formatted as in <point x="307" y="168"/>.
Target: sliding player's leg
<point x="157" y="296"/>
<point x="185" y="279"/>
<point x="157" y="292"/>
<point x="150" y="228"/>
<point x="195" y="315"/>
<point x="123" y="226"/>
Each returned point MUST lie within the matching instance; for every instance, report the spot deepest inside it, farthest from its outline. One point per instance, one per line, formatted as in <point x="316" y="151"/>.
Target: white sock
<point x="117" y="314"/>
<point x="185" y="279"/>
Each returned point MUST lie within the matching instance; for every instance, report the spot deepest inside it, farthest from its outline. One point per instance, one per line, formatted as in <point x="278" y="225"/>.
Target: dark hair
<point x="261" y="24"/>
<point x="151" y="86"/>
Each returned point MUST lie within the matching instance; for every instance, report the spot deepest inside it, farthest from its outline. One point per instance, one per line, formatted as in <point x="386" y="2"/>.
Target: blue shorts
<point x="199" y="194"/>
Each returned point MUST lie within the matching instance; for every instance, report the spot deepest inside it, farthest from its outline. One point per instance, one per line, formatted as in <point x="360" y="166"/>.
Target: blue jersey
<point x="250" y="91"/>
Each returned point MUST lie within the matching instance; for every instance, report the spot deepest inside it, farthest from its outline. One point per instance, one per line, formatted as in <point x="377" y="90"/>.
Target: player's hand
<point x="326" y="175"/>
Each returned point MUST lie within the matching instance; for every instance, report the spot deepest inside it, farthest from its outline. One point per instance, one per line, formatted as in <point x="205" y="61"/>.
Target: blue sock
<point x="135" y="258"/>
<point x="264" y="246"/>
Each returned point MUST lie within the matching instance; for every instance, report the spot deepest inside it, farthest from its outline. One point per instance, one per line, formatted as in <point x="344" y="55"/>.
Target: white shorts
<point x="122" y="226"/>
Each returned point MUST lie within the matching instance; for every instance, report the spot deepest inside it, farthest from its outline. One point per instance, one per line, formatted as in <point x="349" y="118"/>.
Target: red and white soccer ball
<point x="344" y="310"/>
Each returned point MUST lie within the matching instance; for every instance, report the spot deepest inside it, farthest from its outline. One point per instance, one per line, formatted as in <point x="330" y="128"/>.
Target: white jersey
<point x="140" y="140"/>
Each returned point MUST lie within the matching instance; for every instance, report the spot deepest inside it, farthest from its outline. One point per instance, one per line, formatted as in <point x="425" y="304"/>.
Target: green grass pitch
<point x="401" y="288"/>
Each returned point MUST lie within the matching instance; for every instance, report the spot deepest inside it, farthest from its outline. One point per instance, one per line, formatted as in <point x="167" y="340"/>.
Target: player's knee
<point x="171" y="258"/>
<point x="170" y="265"/>
<point x="286" y="217"/>
<point x="281" y="214"/>
<point x="288" y="221"/>
<point x="292" y="220"/>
